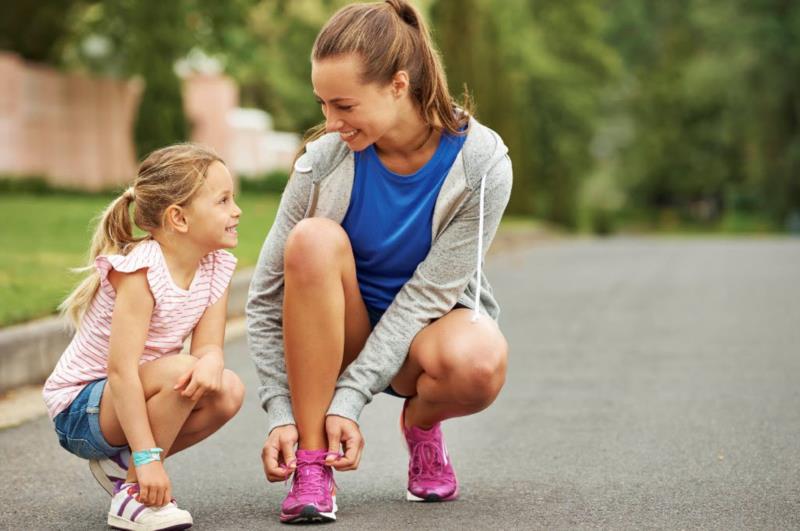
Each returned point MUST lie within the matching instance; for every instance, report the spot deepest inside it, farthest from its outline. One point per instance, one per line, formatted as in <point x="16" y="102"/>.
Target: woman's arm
<point x="265" y="304"/>
<point x="431" y="292"/>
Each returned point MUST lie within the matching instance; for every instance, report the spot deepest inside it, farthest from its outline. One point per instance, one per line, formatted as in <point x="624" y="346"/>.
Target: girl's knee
<point x="164" y="373"/>
<point x="231" y="396"/>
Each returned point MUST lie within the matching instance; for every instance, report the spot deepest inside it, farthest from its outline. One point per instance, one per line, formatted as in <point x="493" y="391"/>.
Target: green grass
<point x="44" y="236"/>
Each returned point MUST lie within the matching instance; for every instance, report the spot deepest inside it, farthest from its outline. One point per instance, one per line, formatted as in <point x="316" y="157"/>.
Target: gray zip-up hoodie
<point x="465" y="218"/>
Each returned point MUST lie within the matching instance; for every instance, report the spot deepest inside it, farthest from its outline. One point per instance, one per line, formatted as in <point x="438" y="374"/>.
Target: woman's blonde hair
<point x="388" y="37"/>
<point x="168" y="176"/>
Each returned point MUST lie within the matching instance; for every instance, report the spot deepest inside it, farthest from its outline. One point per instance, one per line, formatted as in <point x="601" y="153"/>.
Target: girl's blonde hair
<point x="388" y="37"/>
<point x="168" y="176"/>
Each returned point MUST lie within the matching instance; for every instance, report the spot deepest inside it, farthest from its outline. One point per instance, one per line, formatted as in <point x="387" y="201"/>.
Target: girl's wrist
<point x="146" y="456"/>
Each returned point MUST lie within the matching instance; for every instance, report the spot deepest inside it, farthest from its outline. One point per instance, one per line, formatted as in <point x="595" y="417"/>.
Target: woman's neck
<point x="409" y="145"/>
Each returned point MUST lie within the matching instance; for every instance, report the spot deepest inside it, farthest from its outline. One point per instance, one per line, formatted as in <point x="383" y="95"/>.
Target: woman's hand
<point x="204" y="376"/>
<point x="155" y="489"/>
<point x="344" y="433"/>
<point x="278" y="450"/>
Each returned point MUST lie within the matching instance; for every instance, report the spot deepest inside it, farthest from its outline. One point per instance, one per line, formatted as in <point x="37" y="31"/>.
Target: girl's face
<point x="360" y="113"/>
<point x="213" y="215"/>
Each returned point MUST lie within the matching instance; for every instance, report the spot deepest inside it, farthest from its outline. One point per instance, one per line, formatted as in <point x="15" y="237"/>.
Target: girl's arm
<point x="130" y="322"/>
<point x="207" y="340"/>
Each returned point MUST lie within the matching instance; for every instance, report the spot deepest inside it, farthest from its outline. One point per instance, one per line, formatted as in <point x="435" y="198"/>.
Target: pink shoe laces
<point x="312" y="470"/>
<point x="427" y="461"/>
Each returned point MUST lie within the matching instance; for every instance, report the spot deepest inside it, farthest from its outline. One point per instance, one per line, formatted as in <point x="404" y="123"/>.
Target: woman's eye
<point x="345" y="107"/>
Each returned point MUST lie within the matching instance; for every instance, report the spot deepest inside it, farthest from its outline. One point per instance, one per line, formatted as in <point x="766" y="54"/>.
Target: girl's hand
<point x="279" y="450"/>
<point x="155" y="489"/>
<point x="345" y="433"/>
<point x="204" y="376"/>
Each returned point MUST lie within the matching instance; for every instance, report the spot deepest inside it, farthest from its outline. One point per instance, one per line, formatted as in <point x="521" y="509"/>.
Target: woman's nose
<point x="332" y="124"/>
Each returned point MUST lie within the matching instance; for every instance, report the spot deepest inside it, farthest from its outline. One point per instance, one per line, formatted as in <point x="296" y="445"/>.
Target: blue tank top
<point x="389" y="219"/>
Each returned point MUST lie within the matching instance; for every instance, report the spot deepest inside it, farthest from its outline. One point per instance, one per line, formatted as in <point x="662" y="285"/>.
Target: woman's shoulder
<point x="483" y="151"/>
<point x="322" y="156"/>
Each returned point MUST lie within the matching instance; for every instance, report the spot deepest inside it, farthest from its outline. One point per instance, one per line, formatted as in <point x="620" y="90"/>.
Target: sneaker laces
<point x="313" y="483"/>
<point x="426" y="461"/>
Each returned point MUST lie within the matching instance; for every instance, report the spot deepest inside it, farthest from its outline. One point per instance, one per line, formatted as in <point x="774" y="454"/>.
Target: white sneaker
<point x="127" y="513"/>
<point x="111" y="471"/>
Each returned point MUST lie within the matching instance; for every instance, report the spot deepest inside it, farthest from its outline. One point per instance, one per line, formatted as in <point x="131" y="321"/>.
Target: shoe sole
<point x="117" y="522"/>
<point x="430" y="498"/>
<point x="310" y="514"/>
<point x="101" y="477"/>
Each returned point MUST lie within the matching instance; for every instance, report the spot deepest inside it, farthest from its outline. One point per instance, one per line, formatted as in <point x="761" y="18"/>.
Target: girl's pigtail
<point x="113" y="235"/>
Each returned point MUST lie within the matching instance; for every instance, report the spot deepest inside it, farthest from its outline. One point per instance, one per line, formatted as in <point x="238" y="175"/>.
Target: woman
<point x="370" y="279"/>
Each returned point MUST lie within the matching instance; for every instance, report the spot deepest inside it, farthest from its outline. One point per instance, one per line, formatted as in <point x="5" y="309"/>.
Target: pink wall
<point x="71" y="129"/>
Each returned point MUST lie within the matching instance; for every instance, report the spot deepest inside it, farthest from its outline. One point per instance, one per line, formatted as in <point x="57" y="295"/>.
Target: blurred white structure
<point x="254" y="148"/>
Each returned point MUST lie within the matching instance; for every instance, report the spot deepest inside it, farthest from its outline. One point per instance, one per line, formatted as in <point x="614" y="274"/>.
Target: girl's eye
<point x="223" y="200"/>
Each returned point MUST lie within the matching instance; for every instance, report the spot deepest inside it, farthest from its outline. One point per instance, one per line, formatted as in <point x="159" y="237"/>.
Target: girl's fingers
<point x="183" y="380"/>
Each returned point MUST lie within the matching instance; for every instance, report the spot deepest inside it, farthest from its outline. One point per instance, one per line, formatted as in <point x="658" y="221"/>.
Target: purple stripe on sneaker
<point x="122" y="507"/>
<point x="117" y="458"/>
<point x="136" y="512"/>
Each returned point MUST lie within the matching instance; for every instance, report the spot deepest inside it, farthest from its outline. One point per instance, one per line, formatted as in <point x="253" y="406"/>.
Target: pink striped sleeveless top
<point x="176" y="313"/>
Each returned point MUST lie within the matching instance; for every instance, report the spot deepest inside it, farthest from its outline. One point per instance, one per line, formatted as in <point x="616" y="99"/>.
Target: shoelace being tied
<point x="313" y="470"/>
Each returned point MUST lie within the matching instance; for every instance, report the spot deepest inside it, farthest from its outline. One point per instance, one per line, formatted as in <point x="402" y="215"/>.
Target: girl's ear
<point x="175" y="218"/>
<point x="400" y="83"/>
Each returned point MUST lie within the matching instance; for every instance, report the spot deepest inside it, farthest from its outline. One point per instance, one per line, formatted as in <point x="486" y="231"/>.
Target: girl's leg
<point x="325" y="322"/>
<point x="455" y="367"/>
<point x="169" y="412"/>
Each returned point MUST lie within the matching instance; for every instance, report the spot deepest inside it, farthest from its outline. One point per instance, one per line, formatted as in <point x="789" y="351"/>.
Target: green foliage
<point x="273" y="182"/>
<point x="687" y="107"/>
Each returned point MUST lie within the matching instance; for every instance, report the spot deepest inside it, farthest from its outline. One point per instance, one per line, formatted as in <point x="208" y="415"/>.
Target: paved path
<point x="652" y="384"/>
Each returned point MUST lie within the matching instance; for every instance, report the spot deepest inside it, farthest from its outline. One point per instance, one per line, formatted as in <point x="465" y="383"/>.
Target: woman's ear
<point x="175" y="219"/>
<point x="400" y="84"/>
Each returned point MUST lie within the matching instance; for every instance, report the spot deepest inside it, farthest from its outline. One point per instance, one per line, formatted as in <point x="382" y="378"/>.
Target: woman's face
<point x="360" y="113"/>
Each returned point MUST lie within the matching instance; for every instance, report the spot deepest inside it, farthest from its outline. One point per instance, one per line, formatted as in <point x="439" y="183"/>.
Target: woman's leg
<point x="177" y="422"/>
<point x="455" y="367"/>
<point x="325" y="322"/>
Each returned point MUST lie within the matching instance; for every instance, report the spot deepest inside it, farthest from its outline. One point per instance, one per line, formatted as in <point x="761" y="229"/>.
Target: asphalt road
<point x="653" y="383"/>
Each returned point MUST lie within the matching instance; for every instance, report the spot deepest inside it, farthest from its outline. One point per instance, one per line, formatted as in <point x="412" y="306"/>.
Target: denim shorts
<point x="78" y="426"/>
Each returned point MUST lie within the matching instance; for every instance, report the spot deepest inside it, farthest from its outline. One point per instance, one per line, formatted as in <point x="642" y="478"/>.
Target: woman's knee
<point x="312" y="244"/>
<point x="480" y="371"/>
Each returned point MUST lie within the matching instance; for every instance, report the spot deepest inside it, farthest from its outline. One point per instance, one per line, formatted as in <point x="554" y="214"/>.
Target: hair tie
<point x="129" y="194"/>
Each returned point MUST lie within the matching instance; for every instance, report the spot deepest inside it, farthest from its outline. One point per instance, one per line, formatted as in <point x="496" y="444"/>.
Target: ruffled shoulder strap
<point x="219" y="267"/>
<point x="146" y="255"/>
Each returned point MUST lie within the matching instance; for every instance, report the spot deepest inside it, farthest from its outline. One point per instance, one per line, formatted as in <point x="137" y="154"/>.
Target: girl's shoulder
<point x="146" y="254"/>
<point x="217" y="268"/>
<point x="219" y="262"/>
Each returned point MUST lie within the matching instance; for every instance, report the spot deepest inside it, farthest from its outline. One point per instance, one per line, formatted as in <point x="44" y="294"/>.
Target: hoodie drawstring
<point x="477" y="311"/>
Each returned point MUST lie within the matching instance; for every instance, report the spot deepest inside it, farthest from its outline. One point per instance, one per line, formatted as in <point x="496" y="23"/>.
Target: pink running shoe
<point x="430" y="474"/>
<point x="312" y="497"/>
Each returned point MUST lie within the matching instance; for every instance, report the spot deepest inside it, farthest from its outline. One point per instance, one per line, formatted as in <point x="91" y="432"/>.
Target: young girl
<point x="370" y="279"/>
<point x="120" y="395"/>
